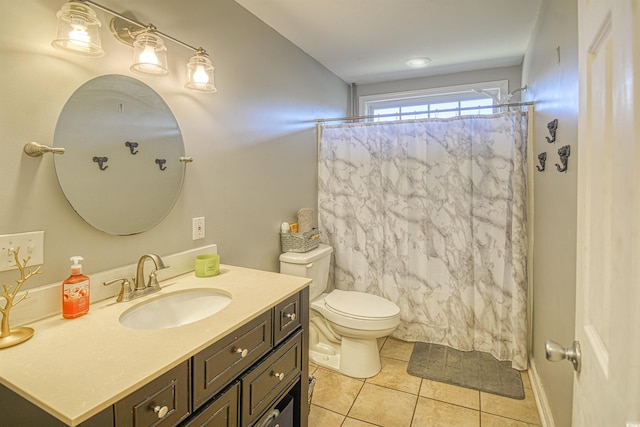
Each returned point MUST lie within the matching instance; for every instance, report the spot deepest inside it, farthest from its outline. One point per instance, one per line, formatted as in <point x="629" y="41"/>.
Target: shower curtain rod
<point x="344" y="119"/>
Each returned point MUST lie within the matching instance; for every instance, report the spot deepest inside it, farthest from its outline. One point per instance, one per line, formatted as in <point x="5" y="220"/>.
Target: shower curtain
<point x="431" y="214"/>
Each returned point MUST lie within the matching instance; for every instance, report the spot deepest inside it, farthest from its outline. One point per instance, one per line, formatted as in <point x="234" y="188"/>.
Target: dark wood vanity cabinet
<point x="236" y="381"/>
<point x="256" y="376"/>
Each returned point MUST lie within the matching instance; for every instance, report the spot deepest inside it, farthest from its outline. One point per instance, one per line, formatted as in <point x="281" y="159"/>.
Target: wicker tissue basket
<point x="300" y="242"/>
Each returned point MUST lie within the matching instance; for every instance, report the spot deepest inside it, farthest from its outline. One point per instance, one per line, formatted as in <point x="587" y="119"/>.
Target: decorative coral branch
<point x="10" y="296"/>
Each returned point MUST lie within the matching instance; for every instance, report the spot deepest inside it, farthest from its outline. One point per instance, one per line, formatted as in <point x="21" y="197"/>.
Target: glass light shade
<point x="78" y="30"/>
<point x="200" y="74"/>
<point x="149" y="54"/>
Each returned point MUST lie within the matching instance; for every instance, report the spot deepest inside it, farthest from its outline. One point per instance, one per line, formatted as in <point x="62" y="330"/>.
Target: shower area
<point x="432" y="215"/>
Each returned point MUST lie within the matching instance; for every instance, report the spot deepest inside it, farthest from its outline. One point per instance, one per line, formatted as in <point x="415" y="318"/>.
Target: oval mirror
<point x="121" y="170"/>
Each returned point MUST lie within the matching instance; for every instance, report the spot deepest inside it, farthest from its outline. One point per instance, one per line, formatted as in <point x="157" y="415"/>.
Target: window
<point x="441" y="102"/>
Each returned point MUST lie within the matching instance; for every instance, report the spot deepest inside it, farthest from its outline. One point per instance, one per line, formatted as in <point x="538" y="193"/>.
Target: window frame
<point x="456" y="93"/>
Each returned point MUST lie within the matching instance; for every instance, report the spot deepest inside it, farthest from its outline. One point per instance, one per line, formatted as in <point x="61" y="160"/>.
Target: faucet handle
<point x="153" y="277"/>
<point x="153" y="280"/>
<point x="125" y="291"/>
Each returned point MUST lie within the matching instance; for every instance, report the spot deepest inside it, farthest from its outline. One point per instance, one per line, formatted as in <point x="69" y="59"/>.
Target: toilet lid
<point x="361" y="305"/>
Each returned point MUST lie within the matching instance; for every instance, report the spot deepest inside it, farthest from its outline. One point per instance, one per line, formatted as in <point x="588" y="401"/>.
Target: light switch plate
<point x="198" y="228"/>
<point x="31" y="244"/>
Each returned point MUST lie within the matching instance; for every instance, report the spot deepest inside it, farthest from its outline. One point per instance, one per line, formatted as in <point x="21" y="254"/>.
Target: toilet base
<point x="354" y="357"/>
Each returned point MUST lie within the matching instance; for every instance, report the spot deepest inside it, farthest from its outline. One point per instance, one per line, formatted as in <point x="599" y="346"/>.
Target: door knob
<point x="555" y="353"/>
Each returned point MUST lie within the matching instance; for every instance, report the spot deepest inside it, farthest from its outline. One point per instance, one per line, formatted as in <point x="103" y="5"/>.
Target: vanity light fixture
<point x="79" y="33"/>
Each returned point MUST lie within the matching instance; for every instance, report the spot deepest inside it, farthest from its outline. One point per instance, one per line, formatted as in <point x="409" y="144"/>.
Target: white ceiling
<point x="367" y="41"/>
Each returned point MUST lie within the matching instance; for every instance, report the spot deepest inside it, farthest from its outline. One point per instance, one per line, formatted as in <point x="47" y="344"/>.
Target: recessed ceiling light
<point x="418" y="62"/>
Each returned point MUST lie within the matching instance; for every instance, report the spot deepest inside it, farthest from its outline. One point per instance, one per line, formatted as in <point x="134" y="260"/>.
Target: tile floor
<point x="394" y="398"/>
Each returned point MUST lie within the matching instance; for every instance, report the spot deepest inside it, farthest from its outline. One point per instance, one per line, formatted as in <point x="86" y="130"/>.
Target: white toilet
<point x="344" y="325"/>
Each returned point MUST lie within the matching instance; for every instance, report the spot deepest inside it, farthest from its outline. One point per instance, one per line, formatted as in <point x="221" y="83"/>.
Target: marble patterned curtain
<point x="431" y="214"/>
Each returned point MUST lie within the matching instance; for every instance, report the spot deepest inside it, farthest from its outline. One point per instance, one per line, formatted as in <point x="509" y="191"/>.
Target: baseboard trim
<point x="544" y="410"/>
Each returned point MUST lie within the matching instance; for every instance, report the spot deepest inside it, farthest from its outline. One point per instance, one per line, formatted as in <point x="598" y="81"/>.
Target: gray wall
<point x="512" y="74"/>
<point x="253" y="141"/>
<point x="553" y="85"/>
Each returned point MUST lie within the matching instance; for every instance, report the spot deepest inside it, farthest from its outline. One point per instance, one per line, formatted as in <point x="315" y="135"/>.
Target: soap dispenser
<point x="75" y="291"/>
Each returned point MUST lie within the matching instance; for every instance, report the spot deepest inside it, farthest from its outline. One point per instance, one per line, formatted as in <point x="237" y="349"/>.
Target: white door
<point x="607" y="390"/>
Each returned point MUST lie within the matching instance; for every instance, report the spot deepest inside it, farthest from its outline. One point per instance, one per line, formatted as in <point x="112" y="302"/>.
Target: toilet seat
<point x="359" y="305"/>
<point x="352" y="316"/>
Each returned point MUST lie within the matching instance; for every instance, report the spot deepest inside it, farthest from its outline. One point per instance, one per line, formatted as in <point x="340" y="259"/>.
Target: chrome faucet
<point x="139" y="287"/>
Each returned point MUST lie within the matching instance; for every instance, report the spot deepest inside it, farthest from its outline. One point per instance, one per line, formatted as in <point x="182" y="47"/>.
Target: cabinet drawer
<point x="262" y="385"/>
<point x="217" y="365"/>
<point x="287" y="317"/>
<point x="221" y="412"/>
<point x="169" y="392"/>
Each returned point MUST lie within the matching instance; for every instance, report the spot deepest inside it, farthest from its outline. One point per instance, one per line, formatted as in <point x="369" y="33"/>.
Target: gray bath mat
<point x="470" y="369"/>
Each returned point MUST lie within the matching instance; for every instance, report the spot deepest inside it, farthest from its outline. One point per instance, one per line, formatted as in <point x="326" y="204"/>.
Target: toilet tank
<point x="313" y="264"/>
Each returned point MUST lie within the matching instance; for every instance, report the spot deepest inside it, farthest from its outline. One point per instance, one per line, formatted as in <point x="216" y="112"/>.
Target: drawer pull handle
<point x="241" y="352"/>
<point x="291" y="316"/>
<point x="279" y="376"/>
<point x="161" y="411"/>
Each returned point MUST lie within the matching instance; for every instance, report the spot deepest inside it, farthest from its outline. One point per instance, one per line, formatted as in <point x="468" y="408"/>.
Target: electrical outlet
<point x="198" y="228"/>
<point x="31" y="244"/>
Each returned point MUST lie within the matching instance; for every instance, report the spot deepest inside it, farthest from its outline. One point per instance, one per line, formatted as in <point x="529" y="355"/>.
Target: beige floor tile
<point x="488" y="420"/>
<point x="386" y="400"/>
<point x="397" y="349"/>
<point x="383" y="406"/>
<point x="394" y="375"/>
<point x="526" y="382"/>
<point x="521" y="410"/>
<point x="380" y="342"/>
<point x="352" y="422"/>
<point x="334" y="391"/>
<point x="451" y="394"/>
<point x="431" y="412"/>
<point x="320" y="417"/>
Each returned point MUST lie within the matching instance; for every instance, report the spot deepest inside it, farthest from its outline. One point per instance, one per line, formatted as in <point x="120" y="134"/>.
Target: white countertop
<point x="74" y="369"/>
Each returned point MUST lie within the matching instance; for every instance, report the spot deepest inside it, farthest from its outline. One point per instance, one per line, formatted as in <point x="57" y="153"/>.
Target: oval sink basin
<point x="175" y="309"/>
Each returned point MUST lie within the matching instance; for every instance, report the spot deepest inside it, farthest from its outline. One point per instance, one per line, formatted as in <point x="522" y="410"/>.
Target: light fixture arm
<point x="144" y="27"/>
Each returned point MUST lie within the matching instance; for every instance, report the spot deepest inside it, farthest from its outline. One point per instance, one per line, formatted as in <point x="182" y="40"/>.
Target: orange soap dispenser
<point x="75" y="291"/>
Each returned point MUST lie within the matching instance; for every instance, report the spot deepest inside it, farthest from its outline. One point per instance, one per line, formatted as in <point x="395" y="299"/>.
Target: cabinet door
<point x="221" y="412"/>
<point x="263" y="384"/>
<point x="287" y="318"/>
<point x="281" y="416"/>
<point x="162" y="402"/>
<point x="219" y="364"/>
